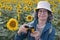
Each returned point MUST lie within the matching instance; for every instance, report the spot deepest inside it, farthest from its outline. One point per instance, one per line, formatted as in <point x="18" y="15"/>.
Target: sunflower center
<point x="0" y="5"/>
<point x="29" y="17"/>
<point x="17" y="6"/>
<point x="18" y="10"/>
<point x="13" y="24"/>
<point x="9" y="8"/>
<point x="29" y="4"/>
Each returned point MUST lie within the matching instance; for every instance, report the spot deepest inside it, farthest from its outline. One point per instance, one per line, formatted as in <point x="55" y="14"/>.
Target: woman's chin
<point x="42" y="19"/>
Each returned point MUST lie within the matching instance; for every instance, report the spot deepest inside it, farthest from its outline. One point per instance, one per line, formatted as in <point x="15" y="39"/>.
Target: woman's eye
<point x="40" y="10"/>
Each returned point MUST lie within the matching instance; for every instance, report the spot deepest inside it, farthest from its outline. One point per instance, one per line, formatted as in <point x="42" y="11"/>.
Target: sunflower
<point x="25" y="1"/>
<point x="2" y="1"/>
<point x="53" y="9"/>
<point x="14" y="1"/>
<point x="30" y="3"/>
<point x="19" y="11"/>
<point x="36" y="1"/>
<point x="29" y="9"/>
<point x="18" y="6"/>
<point x="54" y="5"/>
<point x="51" y="2"/>
<point x="25" y="8"/>
<point x="59" y="1"/>
<point x="8" y="1"/>
<point x="5" y="6"/>
<point x="29" y="18"/>
<point x="10" y="8"/>
<point x="0" y="5"/>
<point x="12" y="24"/>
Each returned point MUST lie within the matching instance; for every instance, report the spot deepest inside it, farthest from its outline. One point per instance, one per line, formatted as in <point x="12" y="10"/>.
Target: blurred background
<point x="13" y="13"/>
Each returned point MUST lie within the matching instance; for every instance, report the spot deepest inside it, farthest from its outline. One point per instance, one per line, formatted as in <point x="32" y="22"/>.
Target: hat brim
<point x="43" y="8"/>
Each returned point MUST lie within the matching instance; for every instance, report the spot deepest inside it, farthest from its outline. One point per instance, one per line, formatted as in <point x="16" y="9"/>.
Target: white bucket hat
<point x="44" y="4"/>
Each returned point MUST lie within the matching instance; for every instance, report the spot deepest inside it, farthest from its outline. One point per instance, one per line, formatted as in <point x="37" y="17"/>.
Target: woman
<point x="42" y="25"/>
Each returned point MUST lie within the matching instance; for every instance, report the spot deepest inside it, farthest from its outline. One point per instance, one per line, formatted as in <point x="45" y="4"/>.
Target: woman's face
<point x="42" y="14"/>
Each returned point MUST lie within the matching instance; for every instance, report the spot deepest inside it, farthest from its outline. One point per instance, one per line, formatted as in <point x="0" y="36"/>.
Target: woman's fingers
<point x="22" y="29"/>
<point x="35" y="34"/>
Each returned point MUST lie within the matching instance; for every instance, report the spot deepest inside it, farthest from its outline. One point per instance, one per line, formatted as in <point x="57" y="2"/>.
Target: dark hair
<point x="50" y="16"/>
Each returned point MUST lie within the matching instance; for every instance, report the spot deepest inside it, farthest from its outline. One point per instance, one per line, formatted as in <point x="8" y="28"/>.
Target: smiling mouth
<point x="43" y="16"/>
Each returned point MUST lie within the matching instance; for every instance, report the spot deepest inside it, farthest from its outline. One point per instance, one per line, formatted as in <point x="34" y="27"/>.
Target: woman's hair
<point x="50" y="16"/>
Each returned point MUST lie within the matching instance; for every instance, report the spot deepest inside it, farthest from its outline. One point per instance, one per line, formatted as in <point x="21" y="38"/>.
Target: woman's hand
<point x="36" y="35"/>
<point x="22" y="29"/>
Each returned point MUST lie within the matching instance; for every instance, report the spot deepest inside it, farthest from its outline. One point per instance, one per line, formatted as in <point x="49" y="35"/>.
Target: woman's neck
<point x="41" y="23"/>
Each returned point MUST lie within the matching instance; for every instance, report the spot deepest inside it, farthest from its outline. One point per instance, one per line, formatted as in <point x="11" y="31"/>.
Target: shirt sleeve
<point x="20" y="37"/>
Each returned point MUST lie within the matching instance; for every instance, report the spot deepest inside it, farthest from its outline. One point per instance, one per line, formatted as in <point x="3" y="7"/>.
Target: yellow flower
<point x="29" y="18"/>
<point x="59" y="1"/>
<point x="32" y="30"/>
<point x="53" y="9"/>
<point x="51" y="2"/>
<point x="18" y="6"/>
<point x="18" y="11"/>
<point x="14" y="1"/>
<point x="0" y="5"/>
<point x="19" y="1"/>
<point x="54" y="5"/>
<point x="25" y="1"/>
<point x="10" y="8"/>
<point x="25" y="8"/>
<point x="2" y="1"/>
<point x="36" y="1"/>
<point x="29" y="9"/>
<point x="8" y="1"/>
<point x="5" y="6"/>
<point x="35" y="9"/>
<point x="12" y="24"/>
<point x="30" y="3"/>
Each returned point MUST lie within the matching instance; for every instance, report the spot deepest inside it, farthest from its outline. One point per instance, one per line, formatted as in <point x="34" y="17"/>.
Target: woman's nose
<point x="42" y="13"/>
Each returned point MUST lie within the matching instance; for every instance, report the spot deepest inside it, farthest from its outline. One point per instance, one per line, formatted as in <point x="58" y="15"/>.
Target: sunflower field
<point x="13" y="13"/>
